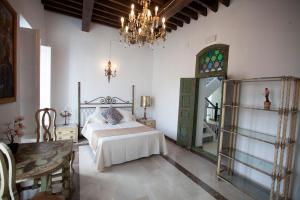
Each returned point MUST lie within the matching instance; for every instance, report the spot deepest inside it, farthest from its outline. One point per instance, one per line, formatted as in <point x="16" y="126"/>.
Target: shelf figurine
<point x="267" y="103"/>
<point x="65" y="114"/>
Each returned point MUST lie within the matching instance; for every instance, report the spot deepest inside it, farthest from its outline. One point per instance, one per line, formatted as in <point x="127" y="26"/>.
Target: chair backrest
<point x="8" y="188"/>
<point x="46" y="124"/>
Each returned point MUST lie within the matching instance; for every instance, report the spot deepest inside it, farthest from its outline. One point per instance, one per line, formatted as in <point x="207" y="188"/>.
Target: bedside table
<point x="148" y="122"/>
<point x="66" y="132"/>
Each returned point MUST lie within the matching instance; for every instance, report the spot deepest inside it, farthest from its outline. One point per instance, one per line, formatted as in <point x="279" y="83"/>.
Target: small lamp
<point x="145" y="102"/>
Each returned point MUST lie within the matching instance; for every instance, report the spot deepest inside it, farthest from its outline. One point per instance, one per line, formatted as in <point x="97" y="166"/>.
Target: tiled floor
<point x="153" y="178"/>
<point x="211" y="147"/>
<point x="205" y="171"/>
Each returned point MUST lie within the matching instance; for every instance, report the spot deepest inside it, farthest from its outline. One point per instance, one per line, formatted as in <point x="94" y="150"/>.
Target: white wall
<point x="33" y="11"/>
<point x="264" y="41"/>
<point x="34" y="14"/>
<point x="80" y="56"/>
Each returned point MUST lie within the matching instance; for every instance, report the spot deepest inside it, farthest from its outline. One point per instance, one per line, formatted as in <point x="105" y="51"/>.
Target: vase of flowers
<point x="267" y="103"/>
<point x="14" y="131"/>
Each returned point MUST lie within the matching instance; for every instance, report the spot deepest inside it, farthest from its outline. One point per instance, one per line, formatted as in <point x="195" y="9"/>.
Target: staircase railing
<point x="214" y="107"/>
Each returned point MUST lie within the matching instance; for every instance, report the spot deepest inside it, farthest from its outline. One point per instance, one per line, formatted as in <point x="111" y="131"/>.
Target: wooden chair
<point x="46" y="124"/>
<point x="46" y="127"/>
<point x="8" y="189"/>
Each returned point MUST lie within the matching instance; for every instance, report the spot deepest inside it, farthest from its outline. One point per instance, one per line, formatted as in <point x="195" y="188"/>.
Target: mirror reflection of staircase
<point x="211" y="93"/>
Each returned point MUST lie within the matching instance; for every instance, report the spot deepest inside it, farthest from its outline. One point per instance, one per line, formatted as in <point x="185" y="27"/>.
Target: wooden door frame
<point x="199" y="75"/>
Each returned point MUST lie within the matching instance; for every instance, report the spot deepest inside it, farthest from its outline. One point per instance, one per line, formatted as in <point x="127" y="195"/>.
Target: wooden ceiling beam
<point x="173" y="7"/>
<point x="113" y="6"/>
<point x="64" y="7"/>
<point x="126" y="4"/>
<point x="211" y="4"/>
<point x="87" y="12"/>
<point x="106" y="11"/>
<point x="68" y="3"/>
<point x="107" y="22"/>
<point x="157" y="2"/>
<point x="182" y="17"/>
<point x="171" y="22"/>
<point x="190" y="13"/>
<point x="225" y="2"/>
<point x="109" y="11"/>
<point x="62" y="11"/>
<point x="176" y="21"/>
<point x="171" y="26"/>
<point x="198" y="8"/>
<point x="176" y="12"/>
<point x="168" y="30"/>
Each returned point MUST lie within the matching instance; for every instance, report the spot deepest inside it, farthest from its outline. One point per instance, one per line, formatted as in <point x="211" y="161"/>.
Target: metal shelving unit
<point x="280" y="170"/>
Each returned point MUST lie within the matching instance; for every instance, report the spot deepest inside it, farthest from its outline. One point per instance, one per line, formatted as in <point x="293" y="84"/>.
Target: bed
<point x="115" y="144"/>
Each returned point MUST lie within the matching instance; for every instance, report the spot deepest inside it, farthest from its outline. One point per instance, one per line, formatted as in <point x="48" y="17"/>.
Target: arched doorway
<point x="211" y="68"/>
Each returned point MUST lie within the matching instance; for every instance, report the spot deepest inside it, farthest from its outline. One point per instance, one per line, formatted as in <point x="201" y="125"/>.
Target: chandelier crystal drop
<point x="143" y="28"/>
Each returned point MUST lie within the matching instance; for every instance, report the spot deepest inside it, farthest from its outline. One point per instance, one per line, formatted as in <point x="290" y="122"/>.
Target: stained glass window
<point x="212" y="59"/>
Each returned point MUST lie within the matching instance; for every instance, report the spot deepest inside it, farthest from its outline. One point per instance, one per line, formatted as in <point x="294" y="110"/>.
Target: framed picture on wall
<point x="8" y="48"/>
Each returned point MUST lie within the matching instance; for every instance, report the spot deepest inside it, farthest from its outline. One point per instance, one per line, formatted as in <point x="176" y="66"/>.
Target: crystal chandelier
<point x="143" y="28"/>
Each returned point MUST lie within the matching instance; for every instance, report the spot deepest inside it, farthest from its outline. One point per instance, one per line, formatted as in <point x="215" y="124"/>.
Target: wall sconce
<point x="109" y="72"/>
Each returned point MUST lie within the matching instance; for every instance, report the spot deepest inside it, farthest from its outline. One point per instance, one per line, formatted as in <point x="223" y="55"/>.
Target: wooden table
<point x="40" y="160"/>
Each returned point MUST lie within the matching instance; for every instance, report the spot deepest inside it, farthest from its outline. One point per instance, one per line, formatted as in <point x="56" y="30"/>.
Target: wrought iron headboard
<point x="103" y="102"/>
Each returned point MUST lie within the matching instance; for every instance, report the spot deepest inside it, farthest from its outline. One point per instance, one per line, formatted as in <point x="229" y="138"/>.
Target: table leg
<point x="66" y="180"/>
<point x="46" y="183"/>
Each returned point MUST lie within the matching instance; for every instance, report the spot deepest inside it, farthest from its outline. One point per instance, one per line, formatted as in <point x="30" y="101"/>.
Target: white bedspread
<point x="123" y="148"/>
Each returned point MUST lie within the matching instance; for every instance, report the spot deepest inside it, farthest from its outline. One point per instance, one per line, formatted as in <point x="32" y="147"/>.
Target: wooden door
<point x="187" y="117"/>
<point x="29" y="76"/>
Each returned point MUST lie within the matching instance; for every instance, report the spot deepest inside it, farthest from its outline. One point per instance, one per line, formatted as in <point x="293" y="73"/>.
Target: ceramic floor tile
<point x="152" y="178"/>
<point x="204" y="170"/>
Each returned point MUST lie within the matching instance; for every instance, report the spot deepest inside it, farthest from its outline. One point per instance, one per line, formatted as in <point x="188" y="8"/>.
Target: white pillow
<point x="127" y="115"/>
<point x="96" y="117"/>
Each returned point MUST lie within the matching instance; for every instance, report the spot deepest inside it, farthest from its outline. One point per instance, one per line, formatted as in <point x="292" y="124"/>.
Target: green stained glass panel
<point x="207" y="60"/>
<point x="213" y="58"/>
<point x="220" y="57"/>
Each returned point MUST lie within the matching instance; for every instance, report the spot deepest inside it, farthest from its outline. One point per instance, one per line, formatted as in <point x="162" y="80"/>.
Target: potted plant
<point x="14" y="130"/>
